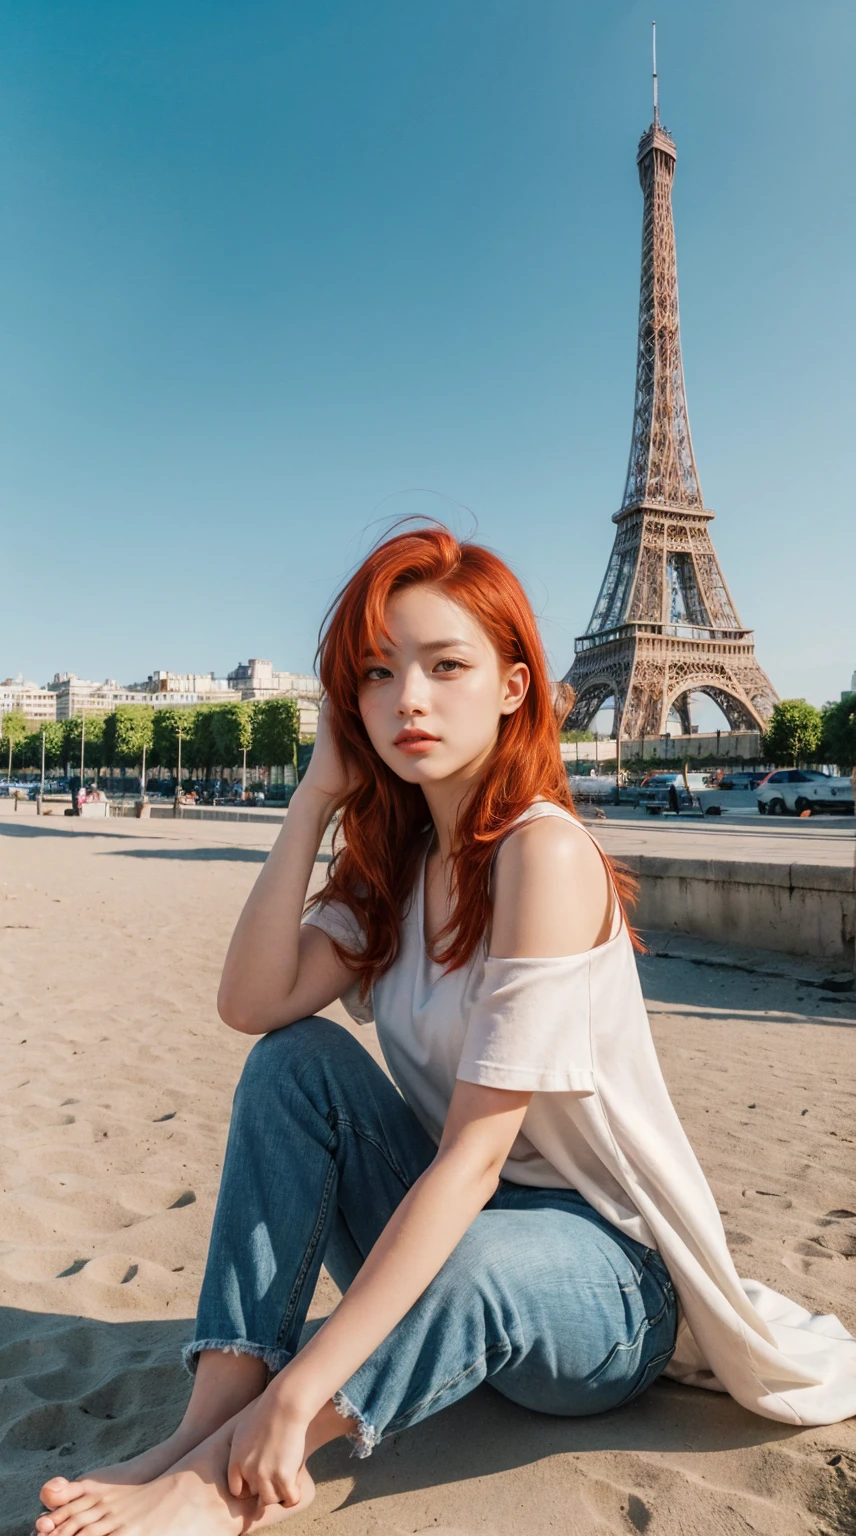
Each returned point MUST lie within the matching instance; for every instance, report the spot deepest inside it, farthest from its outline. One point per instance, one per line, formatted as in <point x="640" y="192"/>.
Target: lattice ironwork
<point x="664" y="625"/>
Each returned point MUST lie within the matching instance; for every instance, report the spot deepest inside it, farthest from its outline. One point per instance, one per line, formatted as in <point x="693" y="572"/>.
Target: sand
<point x="116" y="1084"/>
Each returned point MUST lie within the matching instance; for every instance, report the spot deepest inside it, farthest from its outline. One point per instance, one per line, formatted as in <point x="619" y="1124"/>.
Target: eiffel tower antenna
<point x="654" y="55"/>
<point x="664" y="626"/>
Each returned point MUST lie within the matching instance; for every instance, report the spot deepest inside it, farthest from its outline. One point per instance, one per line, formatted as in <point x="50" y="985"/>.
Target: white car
<point x="794" y="790"/>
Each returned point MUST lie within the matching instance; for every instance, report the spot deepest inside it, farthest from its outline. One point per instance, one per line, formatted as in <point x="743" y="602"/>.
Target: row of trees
<point x="799" y="733"/>
<point x="209" y="735"/>
<point x="200" y="737"/>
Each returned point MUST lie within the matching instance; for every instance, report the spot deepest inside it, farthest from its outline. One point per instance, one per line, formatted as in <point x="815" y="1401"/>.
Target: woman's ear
<point x="516" y="688"/>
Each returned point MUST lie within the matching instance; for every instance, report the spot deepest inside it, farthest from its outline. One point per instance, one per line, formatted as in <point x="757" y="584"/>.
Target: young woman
<point x="525" y="1207"/>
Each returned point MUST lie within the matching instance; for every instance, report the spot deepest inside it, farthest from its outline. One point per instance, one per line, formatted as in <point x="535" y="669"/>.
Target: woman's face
<point x="432" y="701"/>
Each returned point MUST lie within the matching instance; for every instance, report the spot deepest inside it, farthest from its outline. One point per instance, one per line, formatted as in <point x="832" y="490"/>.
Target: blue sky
<point x="276" y="273"/>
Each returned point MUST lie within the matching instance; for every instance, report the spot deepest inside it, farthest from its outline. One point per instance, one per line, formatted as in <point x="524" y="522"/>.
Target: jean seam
<point x="650" y="1371"/>
<point x="401" y="1419"/>
<point x="384" y="1151"/>
<point x="300" y="1279"/>
<point x="341" y="1119"/>
<point x="645" y="1327"/>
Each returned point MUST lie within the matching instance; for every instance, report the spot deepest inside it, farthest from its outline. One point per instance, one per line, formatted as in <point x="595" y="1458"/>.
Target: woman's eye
<point x="451" y="663"/>
<point x="371" y="671"/>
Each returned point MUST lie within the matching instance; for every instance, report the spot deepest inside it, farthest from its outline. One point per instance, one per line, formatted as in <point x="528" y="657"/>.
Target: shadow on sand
<point x="81" y="1392"/>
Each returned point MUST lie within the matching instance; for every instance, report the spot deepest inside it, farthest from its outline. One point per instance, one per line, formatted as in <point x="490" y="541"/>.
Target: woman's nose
<point x="413" y="697"/>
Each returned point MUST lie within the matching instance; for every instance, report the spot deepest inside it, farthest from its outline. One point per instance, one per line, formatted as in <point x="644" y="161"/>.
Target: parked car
<point x="655" y="795"/>
<point x="13" y="786"/>
<point x="52" y="787"/>
<point x="164" y="787"/>
<point x="740" y="781"/>
<point x="794" y="790"/>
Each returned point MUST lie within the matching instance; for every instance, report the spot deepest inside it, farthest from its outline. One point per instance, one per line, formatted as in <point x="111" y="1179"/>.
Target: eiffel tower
<point x="664" y="625"/>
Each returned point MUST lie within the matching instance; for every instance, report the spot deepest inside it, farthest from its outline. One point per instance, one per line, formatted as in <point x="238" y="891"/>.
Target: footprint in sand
<point x="188" y="1198"/>
<point x="782" y="1201"/>
<point x="73" y="1269"/>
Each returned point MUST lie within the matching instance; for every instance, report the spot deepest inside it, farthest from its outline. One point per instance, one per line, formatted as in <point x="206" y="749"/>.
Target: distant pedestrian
<point x="74" y="786"/>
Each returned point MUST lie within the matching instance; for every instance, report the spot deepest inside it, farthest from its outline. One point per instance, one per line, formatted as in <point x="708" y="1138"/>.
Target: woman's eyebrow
<point x="442" y="645"/>
<point x="430" y="645"/>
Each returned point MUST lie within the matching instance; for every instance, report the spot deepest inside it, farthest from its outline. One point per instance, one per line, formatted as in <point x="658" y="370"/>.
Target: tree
<point x="232" y="726"/>
<point x="54" y="744"/>
<point x="14" y="729"/>
<point x="202" y="749"/>
<point x="838" y="739"/>
<point x="276" y="731"/>
<point x="128" y="732"/>
<point x="31" y="748"/>
<point x="170" y="727"/>
<point x="793" y="733"/>
<point x="88" y="729"/>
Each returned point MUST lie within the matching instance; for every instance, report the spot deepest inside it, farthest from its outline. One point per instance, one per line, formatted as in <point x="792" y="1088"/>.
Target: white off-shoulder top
<point x="574" y="1031"/>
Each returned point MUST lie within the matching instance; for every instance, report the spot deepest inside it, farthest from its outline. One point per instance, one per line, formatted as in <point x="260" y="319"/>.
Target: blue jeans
<point x="542" y="1297"/>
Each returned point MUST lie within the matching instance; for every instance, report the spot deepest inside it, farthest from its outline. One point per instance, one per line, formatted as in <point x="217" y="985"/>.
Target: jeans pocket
<point x="649" y="1373"/>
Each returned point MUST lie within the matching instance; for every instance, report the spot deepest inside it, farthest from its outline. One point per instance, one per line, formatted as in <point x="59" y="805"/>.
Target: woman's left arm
<point x="419" y="1237"/>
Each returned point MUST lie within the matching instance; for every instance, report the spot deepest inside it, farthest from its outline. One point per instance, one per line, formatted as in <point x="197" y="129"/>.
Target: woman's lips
<point x="414" y="746"/>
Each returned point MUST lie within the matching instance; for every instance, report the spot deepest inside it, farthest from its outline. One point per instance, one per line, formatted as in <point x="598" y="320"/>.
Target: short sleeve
<point x="530" y="1027"/>
<point x="339" y="923"/>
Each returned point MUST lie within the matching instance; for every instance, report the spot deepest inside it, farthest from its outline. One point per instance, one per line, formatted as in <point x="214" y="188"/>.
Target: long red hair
<point x="385" y="824"/>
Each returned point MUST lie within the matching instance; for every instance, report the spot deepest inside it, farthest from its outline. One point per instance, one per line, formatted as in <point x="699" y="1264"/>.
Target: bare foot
<point x="190" y="1500"/>
<point x="149" y="1464"/>
<point x="225" y="1384"/>
<point x="140" y="1469"/>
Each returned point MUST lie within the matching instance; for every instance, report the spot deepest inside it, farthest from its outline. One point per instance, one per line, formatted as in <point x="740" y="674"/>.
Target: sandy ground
<point x="116" y="1083"/>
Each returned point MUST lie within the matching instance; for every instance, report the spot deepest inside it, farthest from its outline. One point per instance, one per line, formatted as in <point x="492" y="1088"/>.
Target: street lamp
<point x="177" y="800"/>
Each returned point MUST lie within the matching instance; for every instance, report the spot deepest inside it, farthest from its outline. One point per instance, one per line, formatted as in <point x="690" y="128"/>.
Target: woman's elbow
<point x="236" y="1015"/>
<point x="477" y="1168"/>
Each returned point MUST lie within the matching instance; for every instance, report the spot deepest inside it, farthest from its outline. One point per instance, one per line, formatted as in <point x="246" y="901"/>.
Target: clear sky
<point x="275" y="273"/>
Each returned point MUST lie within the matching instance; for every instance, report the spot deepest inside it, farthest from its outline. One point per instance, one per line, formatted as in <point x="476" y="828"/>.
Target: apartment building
<point x="74" y="695"/>
<point x="199" y="684"/>
<point x="68" y="695"/>
<point x="257" y="679"/>
<point x="36" y="703"/>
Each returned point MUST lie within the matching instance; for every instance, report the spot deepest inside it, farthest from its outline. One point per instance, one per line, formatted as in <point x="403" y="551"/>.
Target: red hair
<point x="385" y="824"/>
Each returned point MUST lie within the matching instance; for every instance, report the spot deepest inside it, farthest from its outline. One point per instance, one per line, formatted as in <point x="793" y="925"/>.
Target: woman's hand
<point x="268" y="1451"/>
<point x="327" y="775"/>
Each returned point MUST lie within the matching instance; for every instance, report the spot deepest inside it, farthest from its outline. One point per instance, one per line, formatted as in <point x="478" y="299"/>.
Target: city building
<point x="76" y="696"/>
<point x="69" y="695"/>
<point x="196" y="683"/>
<point x="257" y="679"/>
<point x="36" y="703"/>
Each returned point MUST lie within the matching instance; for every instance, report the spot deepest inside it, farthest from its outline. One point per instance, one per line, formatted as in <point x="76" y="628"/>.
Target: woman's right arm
<point x="278" y="969"/>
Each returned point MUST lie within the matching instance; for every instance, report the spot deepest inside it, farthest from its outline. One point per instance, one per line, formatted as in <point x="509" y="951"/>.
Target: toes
<point x="58" y="1491"/>
<point x="71" y="1517"/>
<point x="88" y="1520"/>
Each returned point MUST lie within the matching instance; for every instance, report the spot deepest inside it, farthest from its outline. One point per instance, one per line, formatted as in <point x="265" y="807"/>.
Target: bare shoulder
<point x="552" y="893"/>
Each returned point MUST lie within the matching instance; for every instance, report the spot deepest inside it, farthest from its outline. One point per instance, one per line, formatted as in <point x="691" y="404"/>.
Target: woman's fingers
<point x="278" y="1488"/>
<point x="235" y="1480"/>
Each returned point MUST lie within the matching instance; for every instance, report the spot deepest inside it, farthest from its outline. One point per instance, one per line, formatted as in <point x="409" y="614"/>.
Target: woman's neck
<point x="446" y="799"/>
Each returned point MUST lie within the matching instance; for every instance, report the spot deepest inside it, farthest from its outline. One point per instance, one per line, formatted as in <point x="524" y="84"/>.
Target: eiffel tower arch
<point x="664" y="625"/>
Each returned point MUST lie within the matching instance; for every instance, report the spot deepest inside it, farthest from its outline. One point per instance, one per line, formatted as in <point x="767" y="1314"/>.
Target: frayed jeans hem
<point x="274" y="1359"/>
<point x="365" y="1437"/>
